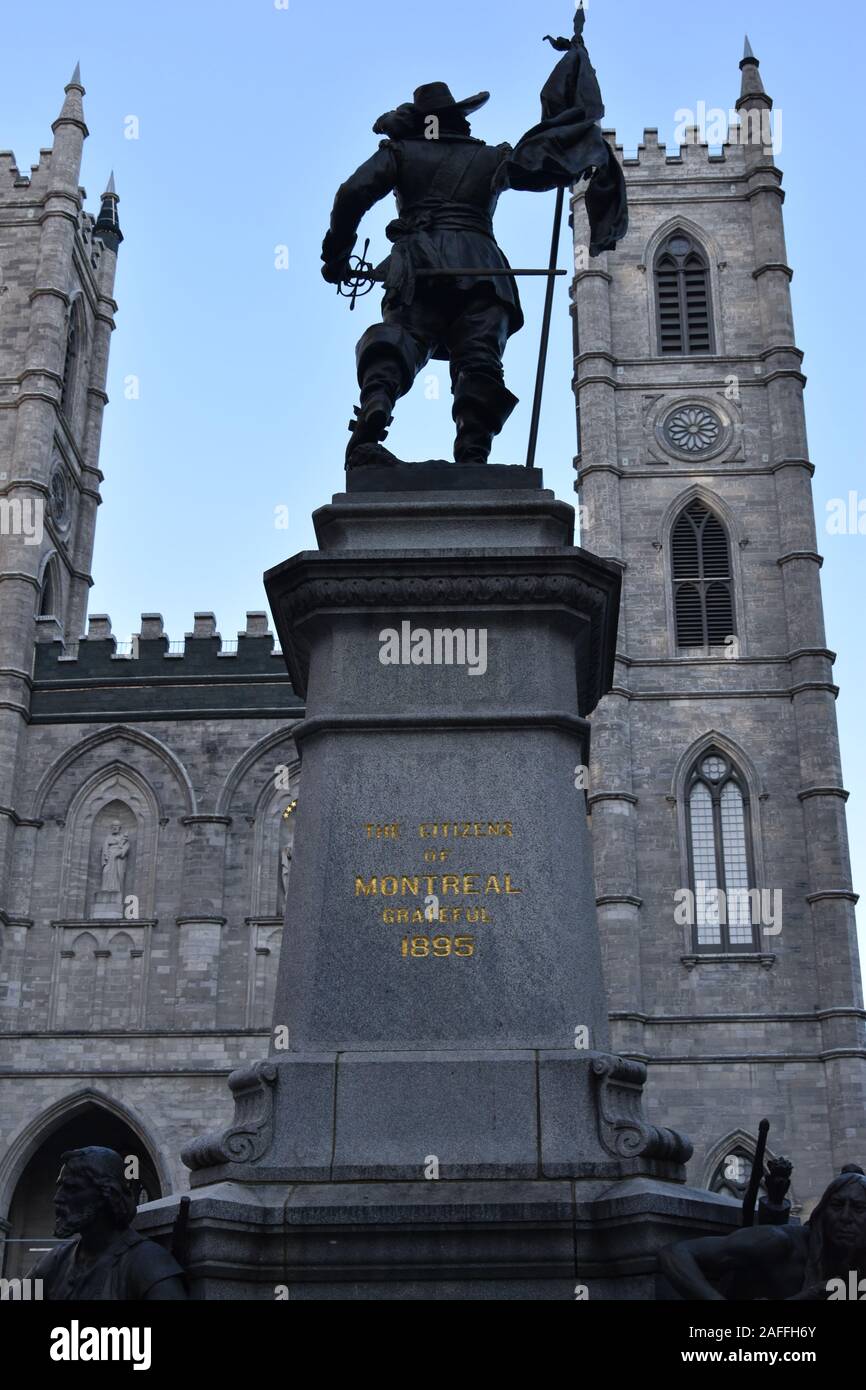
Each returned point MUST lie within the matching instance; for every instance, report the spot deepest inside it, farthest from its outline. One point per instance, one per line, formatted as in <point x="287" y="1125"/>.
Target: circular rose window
<point x="693" y="429"/>
<point x="59" y="496"/>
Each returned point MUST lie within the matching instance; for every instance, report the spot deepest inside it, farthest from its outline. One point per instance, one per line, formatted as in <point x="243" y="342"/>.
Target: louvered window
<point x="703" y="589"/>
<point x="726" y="914"/>
<point x="683" y="297"/>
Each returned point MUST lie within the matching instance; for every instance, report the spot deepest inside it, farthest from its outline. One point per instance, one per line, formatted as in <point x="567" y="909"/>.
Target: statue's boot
<point x="481" y="407"/>
<point x="388" y="358"/>
<point x="371" y="423"/>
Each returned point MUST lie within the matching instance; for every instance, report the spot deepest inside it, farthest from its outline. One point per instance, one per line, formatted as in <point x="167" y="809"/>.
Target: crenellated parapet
<point x="152" y="677"/>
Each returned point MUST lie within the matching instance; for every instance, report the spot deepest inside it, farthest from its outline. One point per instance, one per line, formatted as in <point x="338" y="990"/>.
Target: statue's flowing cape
<point x="567" y="143"/>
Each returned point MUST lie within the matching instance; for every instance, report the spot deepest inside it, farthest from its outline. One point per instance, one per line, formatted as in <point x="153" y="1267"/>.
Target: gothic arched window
<point x="703" y="585"/>
<point x="682" y="282"/>
<point x="74" y="346"/>
<point x="720" y="854"/>
<point x="48" y="598"/>
<point x="732" y="1173"/>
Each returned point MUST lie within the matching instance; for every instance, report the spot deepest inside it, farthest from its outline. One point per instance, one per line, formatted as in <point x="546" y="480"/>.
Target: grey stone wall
<point x="777" y="1031"/>
<point x="155" y="1004"/>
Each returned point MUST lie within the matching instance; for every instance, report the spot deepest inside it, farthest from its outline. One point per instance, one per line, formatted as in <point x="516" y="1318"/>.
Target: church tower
<point x="57" y="268"/>
<point x="717" y="802"/>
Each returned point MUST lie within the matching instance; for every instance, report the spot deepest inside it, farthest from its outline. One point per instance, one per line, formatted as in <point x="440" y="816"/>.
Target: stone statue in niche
<point x="115" y="852"/>
<point x="285" y="867"/>
<point x="108" y="900"/>
<point x="287" y="849"/>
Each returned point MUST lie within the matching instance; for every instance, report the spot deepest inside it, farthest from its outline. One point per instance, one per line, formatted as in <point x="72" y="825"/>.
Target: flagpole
<point x="545" y="330"/>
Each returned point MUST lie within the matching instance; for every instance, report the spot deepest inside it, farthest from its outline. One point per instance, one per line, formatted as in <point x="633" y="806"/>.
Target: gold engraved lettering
<point x="461" y="830"/>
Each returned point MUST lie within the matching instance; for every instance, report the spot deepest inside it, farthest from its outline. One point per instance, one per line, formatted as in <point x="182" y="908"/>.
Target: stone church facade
<point x="715" y="758"/>
<point x="146" y="794"/>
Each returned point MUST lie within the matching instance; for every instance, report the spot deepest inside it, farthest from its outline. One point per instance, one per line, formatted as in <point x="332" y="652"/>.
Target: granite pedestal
<point x="440" y="1116"/>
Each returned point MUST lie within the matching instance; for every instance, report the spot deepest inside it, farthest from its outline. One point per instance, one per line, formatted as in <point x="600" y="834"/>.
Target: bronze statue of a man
<point x="100" y="1257"/>
<point x="780" y="1262"/>
<point x="447" y="185"/>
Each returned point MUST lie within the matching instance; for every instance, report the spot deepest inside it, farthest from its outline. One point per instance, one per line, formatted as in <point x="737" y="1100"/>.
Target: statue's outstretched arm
<point x="687" y="1267"/>
<point x="376" y="178"/>
<point x="695" y="1266"/>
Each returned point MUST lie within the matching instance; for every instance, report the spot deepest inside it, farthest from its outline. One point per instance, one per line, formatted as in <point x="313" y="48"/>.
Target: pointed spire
<point x="107" y="227"/>
<point x="72" y="111"/>
<point x="751" y="85"/>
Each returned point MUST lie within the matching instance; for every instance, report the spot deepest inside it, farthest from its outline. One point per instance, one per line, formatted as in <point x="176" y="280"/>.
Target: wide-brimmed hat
<point x="435" y="97"/>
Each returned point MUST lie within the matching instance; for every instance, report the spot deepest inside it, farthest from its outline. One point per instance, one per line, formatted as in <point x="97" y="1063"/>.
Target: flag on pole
<point x="567" y="144"/>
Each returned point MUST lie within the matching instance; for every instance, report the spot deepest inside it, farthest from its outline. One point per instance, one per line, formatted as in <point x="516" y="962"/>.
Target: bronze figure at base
<point x="822" y="1260"/>
<point x="100" y="1257"/>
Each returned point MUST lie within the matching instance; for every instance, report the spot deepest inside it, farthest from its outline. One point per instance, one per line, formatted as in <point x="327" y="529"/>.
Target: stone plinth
<point x="440" y="1113"/>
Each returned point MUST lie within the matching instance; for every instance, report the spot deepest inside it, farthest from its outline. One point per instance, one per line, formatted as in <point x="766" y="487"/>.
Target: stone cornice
<point x="49" y="292"/>
<point x="785" y="374"/>
<point x="808" y="792"/>
<point x="785" y="693"/>
<point x="592" y="273"/>
<point x="833" y="895"/>
<point x="801" y="555"/>
<point x="495" y="580"/>
<point x="748" y="1059"/>
<point x="725" y="1018"/>
<point x="514" y="719"/>
<point x="804" y="686"/>
<point x="765" y="958"/>
<point x="9" y="919"/>
<point x="773" y="265"/>
<point x="95" y="923"/>
<point x="794" y="463"/>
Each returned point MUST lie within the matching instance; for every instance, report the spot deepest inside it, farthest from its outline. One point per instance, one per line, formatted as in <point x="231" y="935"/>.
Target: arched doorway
<point x="31" y="1213"/>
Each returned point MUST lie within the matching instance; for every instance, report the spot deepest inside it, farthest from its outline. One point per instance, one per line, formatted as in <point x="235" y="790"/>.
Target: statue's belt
<point x="444" y="219"/>
<point x="413" y="249"/>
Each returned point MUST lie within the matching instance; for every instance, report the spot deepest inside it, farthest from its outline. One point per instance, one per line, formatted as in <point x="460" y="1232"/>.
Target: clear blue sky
<point x="250" y="115"/>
